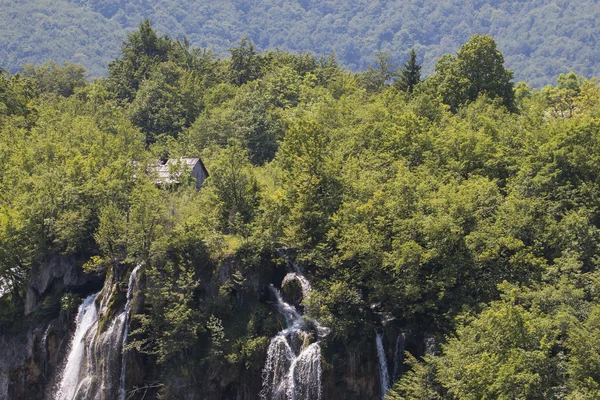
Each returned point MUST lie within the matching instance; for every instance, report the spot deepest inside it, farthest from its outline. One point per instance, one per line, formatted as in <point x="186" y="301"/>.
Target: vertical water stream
<point x="87" y="315"/>
<point x="125" y="316"/>
<point x="399" y="354"/>
<point x="96" y="362"/>
<point x="384" y="377"/>
<point x="293" y="369"/>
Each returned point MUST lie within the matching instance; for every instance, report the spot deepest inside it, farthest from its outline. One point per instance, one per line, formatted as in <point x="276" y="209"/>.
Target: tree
<point x="584" y="358"/>
<point x="381" y="73"/>
<point x="418" y="383"/>
<point x="15" y="94"/>
<point x="410" y="74"/>
<point x="245" y="63"/>
<point x="236" y="187"/>
<point x="309" y="179"/>
<point x="168" y="101"/>
<point x="53" y="78"/>
<point x="141" y="51"/>
<point x="562" y="98"/>
<point x="477" y="69"/>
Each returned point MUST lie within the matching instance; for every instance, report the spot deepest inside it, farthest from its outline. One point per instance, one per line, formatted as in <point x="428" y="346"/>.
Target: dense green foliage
<point x="539" y="39"/>
<point x="465" y="207"/>
<point x="410" y="74"/>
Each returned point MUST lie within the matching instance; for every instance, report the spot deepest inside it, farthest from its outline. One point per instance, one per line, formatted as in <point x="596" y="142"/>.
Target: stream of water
<point x="87" y="315"/>
<point x="399" y="354"/>
<point x="96" y="366"/>
<point x="125" y="316"/>
<point x="293" y="369"/>
<point x="384" y="377"/>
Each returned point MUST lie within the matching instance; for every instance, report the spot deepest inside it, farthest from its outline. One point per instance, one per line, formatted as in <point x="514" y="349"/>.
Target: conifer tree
<point x="410" y="74"/>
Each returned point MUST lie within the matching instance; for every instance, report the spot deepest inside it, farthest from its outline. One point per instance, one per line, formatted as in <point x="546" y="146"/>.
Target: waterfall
<point x="275" y="372"/>
<point x="293" y="369"/>
<point x="429" y="344"/>
<point x="304" y="380"/>
<point x="96" y="364"/>
<point x="125" y="315"/>
<point x="87" y="316"/>
<point x="304" y="283"/>
<point x="384" y="377"/>
<point x="399" y="354"/>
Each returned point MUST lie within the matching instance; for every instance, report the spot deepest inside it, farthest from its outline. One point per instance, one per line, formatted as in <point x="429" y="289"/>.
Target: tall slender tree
<point x="410" y="74"/>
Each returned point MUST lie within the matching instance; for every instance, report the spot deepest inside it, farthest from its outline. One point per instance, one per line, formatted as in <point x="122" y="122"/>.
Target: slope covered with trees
<point x="459" y="208"/>
<point x="539" y="39"/>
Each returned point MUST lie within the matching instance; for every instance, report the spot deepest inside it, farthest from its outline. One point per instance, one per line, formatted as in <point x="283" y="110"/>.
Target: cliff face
<point x="353" y="376"/>
<point x="30" y="358"/>
<point x="30" y="361"/>
<point x="56" y="275"/>
<point x="36" y="350"/>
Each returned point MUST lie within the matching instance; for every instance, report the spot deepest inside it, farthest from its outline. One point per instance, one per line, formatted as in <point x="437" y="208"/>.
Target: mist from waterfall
<point x="87" y="315"/>
<point x="96" y="362"/>
<point x="293" y="368"/>
<point x="429" y="344"/>
<point x="399" y="354"/>
<point x="125" y="316"/>
<point x="384" y="378"/>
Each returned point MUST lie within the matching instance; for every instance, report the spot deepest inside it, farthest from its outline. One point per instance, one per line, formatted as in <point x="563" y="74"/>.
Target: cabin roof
<point x="162" y="168"/>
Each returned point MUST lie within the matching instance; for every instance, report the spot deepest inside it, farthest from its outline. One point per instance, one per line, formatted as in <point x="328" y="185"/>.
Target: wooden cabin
<point x="169" y="172"/>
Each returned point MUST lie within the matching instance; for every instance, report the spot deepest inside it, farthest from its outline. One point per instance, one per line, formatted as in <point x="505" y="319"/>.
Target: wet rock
<point x="29" y="359"/>
<point x="291" y="290"/>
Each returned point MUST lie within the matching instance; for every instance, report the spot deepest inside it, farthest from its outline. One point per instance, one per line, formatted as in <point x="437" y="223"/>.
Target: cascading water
<point x="125" y="314"/>
<point x="87" y="315"/>
<point x="96" y="364"/>
<point x="306" y="288"/>
<point x="292" y="370"/>
<point x="399" y="354"/>
<point x="429" y="344"/>
<point x="384" y="378"/>
<point x="304" y="378"/>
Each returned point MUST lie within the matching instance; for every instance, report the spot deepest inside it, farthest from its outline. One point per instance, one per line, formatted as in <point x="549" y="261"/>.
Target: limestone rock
<point x="291" y="290"/>
<point x="59" y="272"/>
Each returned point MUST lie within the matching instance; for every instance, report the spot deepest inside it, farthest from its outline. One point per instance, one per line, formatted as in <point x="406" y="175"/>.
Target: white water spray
<point x="384" y="378"/>
<point x="430" y="345"/>
<point x="125" y="316"/>
<point x="399" y="354"/>
<point x="304" y="283"/>
<point x="304" y="378"/>
<point x="87" y="315"/>
<point x="293" y="369"/>
<point x="96" y="363"/>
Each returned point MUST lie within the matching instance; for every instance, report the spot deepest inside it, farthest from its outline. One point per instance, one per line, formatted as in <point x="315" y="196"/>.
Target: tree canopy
<point x="465" y="210"/>
<point x="540" y="40"/>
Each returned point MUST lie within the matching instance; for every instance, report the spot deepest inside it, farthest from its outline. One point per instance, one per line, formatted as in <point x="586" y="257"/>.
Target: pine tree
<point x="410" y="74"/>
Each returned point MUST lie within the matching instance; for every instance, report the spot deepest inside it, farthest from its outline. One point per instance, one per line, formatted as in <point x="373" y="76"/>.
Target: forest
<point x="449" y="224"/>
<point x="539" y="39"/>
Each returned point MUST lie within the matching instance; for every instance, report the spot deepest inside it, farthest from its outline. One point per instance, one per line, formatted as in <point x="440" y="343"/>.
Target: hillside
<point x="358" y="234"/>
<point x="539" y="39"/>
